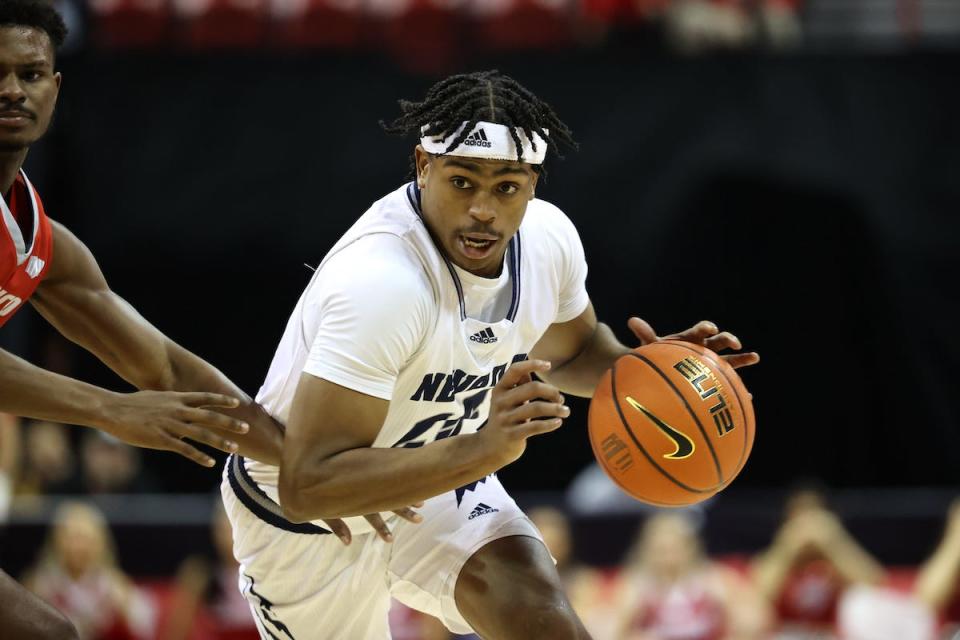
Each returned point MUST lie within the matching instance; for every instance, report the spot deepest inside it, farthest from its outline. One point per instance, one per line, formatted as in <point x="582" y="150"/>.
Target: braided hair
<point x="36" y="14"/>
<point x="484" y="95"/>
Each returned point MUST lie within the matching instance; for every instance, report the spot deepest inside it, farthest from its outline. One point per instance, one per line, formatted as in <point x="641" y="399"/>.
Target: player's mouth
<point x="477" y="246"/>
<point x="15" y="119"/>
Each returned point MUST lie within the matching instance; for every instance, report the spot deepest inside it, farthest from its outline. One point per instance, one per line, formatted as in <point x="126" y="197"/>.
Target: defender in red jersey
<point x="41" y="261"/>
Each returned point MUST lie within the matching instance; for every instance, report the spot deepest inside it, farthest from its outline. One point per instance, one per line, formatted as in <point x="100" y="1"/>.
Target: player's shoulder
<point x="544" y="217"/>
<point x="380" y="258"/>
<point x="545" y="224"/>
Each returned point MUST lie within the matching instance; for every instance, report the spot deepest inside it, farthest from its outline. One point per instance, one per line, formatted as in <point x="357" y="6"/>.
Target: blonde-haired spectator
<point x="672" y="591"/>
<point x="78" y="574"/>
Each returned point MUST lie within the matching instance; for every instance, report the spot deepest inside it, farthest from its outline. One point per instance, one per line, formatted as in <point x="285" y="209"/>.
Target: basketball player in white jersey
<point x="403" y="376"/>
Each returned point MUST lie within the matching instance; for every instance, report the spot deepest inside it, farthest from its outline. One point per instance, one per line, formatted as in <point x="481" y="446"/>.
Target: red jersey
<point x="26" y="246"/>
<point x="686" y="610"/>
<point x="810" y="595"/>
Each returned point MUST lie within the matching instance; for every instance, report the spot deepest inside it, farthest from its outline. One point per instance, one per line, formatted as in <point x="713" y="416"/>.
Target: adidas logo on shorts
<point x="481" y="509"/>
<point x="484" y="337"/>
<point x="478" y="139"/>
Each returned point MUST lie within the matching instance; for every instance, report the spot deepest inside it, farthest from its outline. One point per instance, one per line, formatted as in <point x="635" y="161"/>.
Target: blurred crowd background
<point x="787" y="168"/>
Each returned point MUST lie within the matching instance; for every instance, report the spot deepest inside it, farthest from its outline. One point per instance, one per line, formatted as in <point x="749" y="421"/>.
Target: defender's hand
<point x="159" y="419"/>
<point x="521" y="407"/>
<point x="342" y="531"/>
<point x="704" y="333"/>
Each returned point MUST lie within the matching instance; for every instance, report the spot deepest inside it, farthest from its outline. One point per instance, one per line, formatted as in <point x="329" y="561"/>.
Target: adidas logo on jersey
<point x="484" y="337"/>
<point x="34" y="266"/>
<point x="481" y="509"/>
<point x="478" y="139"/>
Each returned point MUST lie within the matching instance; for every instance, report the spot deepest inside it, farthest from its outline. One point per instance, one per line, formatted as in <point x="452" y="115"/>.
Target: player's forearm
<point x="264" y="441"/>
<point x="371" y="480"/>
<point x="29" y="391"/>
<point x="579" y="376"/>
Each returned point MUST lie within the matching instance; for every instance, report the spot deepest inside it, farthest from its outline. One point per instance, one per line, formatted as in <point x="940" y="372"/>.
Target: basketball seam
<point x="743" y="450"/>
<point x="693" y="414"/>
<point x="626" y="425"/>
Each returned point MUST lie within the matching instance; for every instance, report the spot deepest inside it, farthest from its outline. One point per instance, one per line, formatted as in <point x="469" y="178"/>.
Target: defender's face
<point x="28" y="86"/>
<point x="473" y="207"/>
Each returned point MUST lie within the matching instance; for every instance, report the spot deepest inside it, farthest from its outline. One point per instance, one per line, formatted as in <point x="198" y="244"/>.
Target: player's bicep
<point x="564" y="341"/>
<point x="327" y="419"/>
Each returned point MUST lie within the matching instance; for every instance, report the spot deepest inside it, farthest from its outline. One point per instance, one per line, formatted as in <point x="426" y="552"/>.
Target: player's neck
<point x="10" y="163"/>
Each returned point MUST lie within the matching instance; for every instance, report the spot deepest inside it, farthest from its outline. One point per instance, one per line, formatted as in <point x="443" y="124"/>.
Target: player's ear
<point x="422" y="159"/>
<point x="533" y="185"/>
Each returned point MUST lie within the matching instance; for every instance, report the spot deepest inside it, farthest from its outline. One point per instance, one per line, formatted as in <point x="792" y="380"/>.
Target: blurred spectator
<point x="9" y="456"/>
<point x="671" y="591"/>
<point x="938" y="582"/>
<point x="874" y="613"/>
<point x="206" y="603"/>
<point x="812" y="560"/>
<point x="697" y="26"/>
<point x="77" y="574"/>
<point x="49" y="465"/>
<point x="110" y="466"/>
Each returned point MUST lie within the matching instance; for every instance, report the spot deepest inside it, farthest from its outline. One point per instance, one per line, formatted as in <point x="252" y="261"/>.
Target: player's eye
<point x="460" y="182"/>
<point x="31" y="76"/>
<point x="509" y="188"/>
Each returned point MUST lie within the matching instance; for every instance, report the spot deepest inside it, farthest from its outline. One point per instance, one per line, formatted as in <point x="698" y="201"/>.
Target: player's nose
<point x="483" y="209"/>
<point x="11" y="90"/>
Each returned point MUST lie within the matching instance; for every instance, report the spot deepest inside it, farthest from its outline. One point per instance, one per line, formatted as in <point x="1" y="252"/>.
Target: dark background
<point x="808" y="203"/>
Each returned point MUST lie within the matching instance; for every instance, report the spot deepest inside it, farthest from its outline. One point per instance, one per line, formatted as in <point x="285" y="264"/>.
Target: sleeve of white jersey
<point x="572" y="264"/>
<point x="372" y="308"/>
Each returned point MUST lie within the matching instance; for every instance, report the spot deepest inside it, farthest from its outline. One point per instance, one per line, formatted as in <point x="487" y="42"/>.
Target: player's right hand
<point x="160" y="419"/>
<point x="521" y="407"/>
<point x="342" y="531"/>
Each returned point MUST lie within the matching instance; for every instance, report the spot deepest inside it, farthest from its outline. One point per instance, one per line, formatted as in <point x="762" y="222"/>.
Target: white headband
<point x="488" y="140"/>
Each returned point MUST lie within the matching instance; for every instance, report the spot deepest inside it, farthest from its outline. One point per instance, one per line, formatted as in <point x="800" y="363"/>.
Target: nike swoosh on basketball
<point x="684" y="445"/>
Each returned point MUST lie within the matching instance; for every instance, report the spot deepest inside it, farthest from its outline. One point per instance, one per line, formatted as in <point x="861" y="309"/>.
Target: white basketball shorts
<point x="302" y="583"/>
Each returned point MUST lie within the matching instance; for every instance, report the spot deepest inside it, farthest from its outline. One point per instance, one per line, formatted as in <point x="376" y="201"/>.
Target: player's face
<point x="28" y="86"/>
<point x="473" y="207"/>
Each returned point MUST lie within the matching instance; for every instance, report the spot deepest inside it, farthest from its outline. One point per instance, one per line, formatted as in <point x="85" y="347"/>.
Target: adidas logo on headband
<point x="478" y="139"/>
<point x="490" y="141"/>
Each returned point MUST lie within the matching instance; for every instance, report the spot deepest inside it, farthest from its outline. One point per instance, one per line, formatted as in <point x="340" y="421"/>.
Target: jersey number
<point x="451" y="426"/>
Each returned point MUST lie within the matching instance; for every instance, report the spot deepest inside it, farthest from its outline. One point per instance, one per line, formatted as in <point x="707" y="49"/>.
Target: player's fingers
<point x="379" y="526"/>
<point x="409" y="515"/>
<point x="737" y="360"/>
<point x="723" y="340"/>
<point x="339" y="529"/>
<point x="537" y="427"/>
<point x="199" y="434"/>
<point x="537" y="410"/>
<point x="697" y="333"/>
<point x="519" y="372"/>
<point x="189" y="452"/>
<point x="214" y="420"/>
<point x="196" y="399"/>
<point x="642" y="329"/>
<point x="532" y="391"/>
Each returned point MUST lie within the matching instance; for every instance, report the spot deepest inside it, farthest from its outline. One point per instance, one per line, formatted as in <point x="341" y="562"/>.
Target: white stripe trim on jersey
<point x="512" y="260"/>
<point x="13" y="228"/>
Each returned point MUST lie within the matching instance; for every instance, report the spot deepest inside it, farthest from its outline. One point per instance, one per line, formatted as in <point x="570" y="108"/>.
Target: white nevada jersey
<point x="386" y="314"/>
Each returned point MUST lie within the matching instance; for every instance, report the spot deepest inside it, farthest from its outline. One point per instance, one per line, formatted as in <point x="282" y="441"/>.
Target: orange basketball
<point x="671" y="423"/>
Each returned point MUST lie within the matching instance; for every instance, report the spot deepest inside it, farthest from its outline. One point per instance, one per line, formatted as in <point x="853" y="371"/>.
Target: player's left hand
<point x="704" y="333"/>
<point x="342" y="531"/>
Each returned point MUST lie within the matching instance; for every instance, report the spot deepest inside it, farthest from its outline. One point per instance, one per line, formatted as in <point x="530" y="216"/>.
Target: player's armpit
<point x="580" y="351"/>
